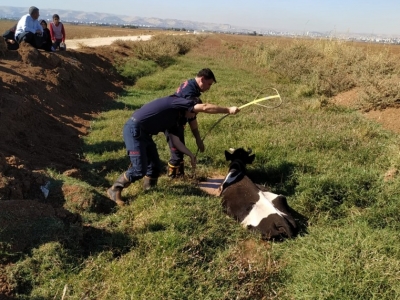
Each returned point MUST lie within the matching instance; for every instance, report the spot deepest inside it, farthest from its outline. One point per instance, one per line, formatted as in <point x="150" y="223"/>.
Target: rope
<point x="256" y="102"/>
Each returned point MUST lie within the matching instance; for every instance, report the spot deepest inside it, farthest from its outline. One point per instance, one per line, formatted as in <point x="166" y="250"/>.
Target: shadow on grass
<point x="282" y="180"/>
<point x="97" y="240"/>
<point x="106" y="146"/>
<point x="30" y="229"/>
<point x="279" y="177"/>
<point x="301" y="222"/>
<point x="183" y="189"/>
<point x="94" y="173"/>
<point x="119" y="105"/>
<point x="26" y="224"/>
<point x="78" y="198"/>
<point x="152" y="227"/>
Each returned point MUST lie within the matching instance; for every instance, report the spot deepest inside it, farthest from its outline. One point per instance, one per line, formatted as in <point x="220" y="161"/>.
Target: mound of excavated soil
<point x="47" y="101"/>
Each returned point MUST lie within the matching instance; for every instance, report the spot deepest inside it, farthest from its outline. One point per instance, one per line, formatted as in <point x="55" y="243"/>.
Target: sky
<point x="340" y="16"/>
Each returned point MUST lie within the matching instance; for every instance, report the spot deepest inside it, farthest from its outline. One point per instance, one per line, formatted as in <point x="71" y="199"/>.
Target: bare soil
<point x="211" y="185"/>
<point x="47" y="101"/>
<point x="388" y="117"/>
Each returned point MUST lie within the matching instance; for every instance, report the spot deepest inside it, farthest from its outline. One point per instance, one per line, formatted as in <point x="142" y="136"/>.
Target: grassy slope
<point x="175" y="242"/>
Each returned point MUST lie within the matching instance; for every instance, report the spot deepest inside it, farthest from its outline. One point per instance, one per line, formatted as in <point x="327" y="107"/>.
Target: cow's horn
<point x="249" y="151"/>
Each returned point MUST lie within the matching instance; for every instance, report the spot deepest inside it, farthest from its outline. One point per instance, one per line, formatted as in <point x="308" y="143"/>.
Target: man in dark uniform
<point x="190" y="89"/>
<point x="156" y="116"/>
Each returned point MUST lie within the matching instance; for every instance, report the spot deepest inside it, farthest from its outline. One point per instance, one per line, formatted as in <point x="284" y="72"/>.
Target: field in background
<point x="86" y="31"/>
<point x="176" y="243"/>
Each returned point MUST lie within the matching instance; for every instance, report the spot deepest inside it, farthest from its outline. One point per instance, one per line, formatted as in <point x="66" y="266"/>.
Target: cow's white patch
<point x="270" y="196"/>
<point x="227" y="177"/>
<point x="262" y="209"/>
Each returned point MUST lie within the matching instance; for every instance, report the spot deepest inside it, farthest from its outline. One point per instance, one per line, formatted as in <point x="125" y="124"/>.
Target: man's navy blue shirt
<point x="188" y="89"/>
<point x="162" y="114"/>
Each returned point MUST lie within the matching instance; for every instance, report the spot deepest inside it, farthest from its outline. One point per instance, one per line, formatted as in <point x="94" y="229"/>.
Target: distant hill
<point x="9" y="12"/>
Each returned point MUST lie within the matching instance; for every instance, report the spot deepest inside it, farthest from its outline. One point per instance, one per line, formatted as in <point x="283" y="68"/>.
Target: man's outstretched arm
<point x="215" y="109"/>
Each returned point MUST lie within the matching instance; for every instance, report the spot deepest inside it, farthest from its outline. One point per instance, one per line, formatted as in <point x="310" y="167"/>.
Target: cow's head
<point x="240" y="155"/>
<point x="252" y="206"/>
<point x="239" y="158"/>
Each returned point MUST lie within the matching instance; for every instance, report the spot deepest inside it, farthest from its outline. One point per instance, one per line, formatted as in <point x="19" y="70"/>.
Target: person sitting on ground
<point x="9" y="37"/>
<point x="57" y="33"/>
<point x="156" y="116"/>
<point x="29" y="30"/>
<point x="47" y="45"/>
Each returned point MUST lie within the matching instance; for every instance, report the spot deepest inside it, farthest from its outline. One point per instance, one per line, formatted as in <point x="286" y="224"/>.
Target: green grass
<point x="176" y="243"/>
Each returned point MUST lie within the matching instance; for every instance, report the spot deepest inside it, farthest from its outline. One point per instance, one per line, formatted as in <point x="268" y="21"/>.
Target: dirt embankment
<point x="47" y="101"/>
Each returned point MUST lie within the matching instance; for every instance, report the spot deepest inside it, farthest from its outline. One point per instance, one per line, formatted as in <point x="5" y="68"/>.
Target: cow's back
<point x="258" y="209"/>
<point x="239" y="198"/>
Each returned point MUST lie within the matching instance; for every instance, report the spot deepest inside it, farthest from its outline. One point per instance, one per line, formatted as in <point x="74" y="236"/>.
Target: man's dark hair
<point x="207" y="74"/>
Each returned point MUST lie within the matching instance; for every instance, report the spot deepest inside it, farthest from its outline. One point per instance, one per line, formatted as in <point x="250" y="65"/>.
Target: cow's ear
<point x="228" y="155"/>
<point x="251" y="158"/>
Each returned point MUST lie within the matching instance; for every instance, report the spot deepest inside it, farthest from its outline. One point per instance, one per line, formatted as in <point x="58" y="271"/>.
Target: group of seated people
<point x="30" y="30"/>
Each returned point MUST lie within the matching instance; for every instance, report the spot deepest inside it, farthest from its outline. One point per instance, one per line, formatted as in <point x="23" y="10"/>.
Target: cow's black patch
<point x="238" y="199"/>
<point x="275" y="227"/>
<point x="281" y="204"/>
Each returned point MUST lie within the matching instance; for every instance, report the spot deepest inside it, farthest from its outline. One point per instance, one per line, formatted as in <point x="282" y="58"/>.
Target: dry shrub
<point x="83" y="46"/>
<point x="381" y="92"/>
<point x="183" y="42"/>
<point x="378" y="76"/>
<point x="121" y="43"/>
<point x="162" y="48"/>
<point x="296" y="62"/>
<point x="326" y="68"/>
<point x="262" y="55"/>
<point x="154" y="50"/>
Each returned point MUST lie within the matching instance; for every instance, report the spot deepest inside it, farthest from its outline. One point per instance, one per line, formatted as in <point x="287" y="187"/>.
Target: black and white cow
<point x="250" y="204"/>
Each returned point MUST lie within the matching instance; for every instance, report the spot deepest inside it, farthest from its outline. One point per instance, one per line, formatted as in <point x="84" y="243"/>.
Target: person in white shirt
<point x="29" y="30"/>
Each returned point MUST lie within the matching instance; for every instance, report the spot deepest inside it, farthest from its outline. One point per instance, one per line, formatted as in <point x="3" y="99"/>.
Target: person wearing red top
<point x="57" y="33"/>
